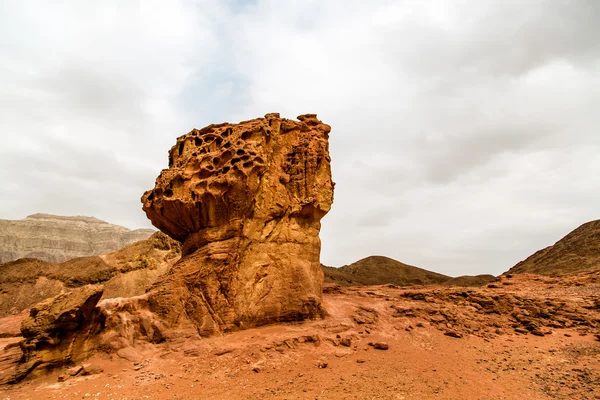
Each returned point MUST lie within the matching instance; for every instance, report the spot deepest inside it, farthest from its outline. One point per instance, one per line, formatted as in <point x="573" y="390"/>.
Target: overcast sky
<point x="465" y="133"/>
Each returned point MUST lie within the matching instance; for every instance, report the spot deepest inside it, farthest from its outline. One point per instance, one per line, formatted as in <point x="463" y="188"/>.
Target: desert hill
<point x="54" y="238"/>
<point x="577" y="252"/>
<point x="379" y="270"/>
<point x="124" y="273"/>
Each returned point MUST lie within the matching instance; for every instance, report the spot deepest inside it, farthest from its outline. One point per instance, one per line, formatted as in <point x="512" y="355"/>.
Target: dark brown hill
<point x="579" y="251"/>
<point x="126" y="272"/>
<point x="379" y="270"/>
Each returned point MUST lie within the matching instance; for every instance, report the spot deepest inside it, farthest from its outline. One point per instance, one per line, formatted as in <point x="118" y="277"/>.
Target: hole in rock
<point x="240" y="152"/>
<point x="204" y="174"/>
<point x="226" y="156"/>
<point x="181" y="147"/>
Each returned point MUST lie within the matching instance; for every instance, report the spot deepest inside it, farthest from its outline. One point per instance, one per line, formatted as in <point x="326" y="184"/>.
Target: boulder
<point x="60" y="331"/>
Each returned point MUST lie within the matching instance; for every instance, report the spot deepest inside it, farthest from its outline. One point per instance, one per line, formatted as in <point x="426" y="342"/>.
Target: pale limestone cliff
<point x="55" y="238"/>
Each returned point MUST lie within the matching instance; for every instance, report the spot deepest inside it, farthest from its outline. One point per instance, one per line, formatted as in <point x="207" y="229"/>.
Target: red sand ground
<point x="310" y="360"/>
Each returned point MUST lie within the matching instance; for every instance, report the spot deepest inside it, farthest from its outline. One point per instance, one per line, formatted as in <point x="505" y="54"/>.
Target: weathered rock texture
<point x="127" y="272"/>
<point x="246" y="200"/>
<point x="577" y="252"/>
<point x="55" y="238"/>
<point x="60" y="330"/>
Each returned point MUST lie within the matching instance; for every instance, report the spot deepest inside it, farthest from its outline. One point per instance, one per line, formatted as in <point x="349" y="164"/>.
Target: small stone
<point x="61" y="378"/>
<point x="360" y="361"/>
<point x="346" y="342"/>
<point x="453" y="334"/>
<point x="379" y="345"/>
<point x="74" y="370"/>
<point x="323" y="365"/>
<point x="90" y="369"/>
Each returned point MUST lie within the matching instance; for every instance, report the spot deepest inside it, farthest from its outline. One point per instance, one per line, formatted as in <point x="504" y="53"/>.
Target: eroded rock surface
<point x="246" y="200"/>
<point x="60" y="330"/>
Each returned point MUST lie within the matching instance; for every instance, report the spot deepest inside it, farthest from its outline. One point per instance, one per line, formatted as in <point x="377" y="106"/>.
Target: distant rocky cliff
<point x="55" y="238"/>
<point x="127" y="272"/>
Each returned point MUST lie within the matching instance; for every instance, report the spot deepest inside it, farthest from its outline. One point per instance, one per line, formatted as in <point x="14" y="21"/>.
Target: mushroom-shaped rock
<point x="246" y="201"/>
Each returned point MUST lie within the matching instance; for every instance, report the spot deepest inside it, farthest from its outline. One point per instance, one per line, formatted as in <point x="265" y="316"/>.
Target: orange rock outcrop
<point x="246" y="201"/>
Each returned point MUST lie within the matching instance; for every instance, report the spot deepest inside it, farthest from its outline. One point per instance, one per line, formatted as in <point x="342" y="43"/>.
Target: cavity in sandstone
<point x="246" y="201"/>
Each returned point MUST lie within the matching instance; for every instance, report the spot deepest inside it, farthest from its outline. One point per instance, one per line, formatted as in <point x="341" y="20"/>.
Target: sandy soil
<point x="441" y="345"/>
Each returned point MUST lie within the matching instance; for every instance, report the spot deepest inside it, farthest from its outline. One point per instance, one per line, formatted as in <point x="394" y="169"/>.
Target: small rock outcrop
<point x="246" y="201"/>
<point x="54" y="238"/>
<point x="60" y="330"/>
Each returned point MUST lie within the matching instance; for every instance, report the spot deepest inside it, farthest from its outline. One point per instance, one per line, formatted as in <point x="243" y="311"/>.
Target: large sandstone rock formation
<point x="246" y="200"/>
<point x="55" y="238"/>
<point x="577" y="252"/>
<point x="127" y="272"/>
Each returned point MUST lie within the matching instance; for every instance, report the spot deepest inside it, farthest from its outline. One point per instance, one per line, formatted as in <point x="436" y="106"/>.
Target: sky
<point x="465" y="134"/>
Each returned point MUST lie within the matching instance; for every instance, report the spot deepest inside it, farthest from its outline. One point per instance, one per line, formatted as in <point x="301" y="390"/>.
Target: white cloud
<point x="464" y="134"/>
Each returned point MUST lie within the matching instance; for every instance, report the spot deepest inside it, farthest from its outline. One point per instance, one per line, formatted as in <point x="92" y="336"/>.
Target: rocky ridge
<point x="577" y="252"/>
<point x="54" y="238"/>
